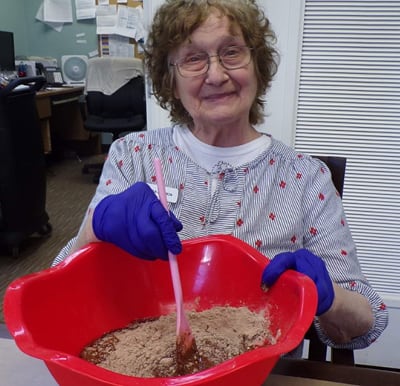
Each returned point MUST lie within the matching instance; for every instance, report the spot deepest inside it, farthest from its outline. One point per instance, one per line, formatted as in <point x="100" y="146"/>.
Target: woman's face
<point x="220" y="97"/>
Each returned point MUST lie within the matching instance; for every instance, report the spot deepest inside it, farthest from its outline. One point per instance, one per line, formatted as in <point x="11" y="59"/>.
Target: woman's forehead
<point x="215" y="27"/>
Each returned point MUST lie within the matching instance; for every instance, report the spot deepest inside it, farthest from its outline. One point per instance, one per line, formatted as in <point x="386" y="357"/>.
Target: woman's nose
<point x="216" y="71"/>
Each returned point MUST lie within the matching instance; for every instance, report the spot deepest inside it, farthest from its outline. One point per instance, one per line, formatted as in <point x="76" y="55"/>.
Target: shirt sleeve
<point x="327" y="234"/>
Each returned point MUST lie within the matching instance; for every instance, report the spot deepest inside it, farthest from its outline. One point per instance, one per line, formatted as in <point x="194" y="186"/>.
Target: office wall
<point x="44" y="41"/>
<point x="12" y="18"/>
<point x="34" y="38"/>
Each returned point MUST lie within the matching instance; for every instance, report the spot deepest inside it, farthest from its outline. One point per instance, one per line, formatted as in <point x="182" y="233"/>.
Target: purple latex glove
<point x="136" y="221"/>
<point x="307" y="263"/>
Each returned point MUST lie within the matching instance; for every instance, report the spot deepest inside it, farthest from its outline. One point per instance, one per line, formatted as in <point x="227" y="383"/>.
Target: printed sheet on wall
<point x="120" y="27"/>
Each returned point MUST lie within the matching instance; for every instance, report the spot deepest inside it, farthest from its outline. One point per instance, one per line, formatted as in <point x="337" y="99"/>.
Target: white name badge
<point x="172" y="193"/>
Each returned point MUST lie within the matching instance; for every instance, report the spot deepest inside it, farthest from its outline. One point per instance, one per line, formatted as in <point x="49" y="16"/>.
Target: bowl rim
<point x="26" y="343"/>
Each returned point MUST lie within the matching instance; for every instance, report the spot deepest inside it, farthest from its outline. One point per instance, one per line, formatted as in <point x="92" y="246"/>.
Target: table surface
<point x="286" y="380"/>
<point x="19" y="369"/>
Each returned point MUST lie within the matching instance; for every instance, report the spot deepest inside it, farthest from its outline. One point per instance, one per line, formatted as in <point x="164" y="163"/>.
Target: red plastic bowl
<point x="55" y="313"/>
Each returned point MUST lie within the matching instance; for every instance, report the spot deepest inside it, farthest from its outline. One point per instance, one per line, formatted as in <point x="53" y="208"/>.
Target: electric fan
<point x="74" y="69"/>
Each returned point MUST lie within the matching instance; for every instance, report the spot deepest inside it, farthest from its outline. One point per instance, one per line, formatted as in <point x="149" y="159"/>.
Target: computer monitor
<point x="7" y="54"/>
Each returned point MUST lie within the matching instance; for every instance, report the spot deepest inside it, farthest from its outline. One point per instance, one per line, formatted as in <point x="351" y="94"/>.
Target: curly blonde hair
<point x="176" y="20"/>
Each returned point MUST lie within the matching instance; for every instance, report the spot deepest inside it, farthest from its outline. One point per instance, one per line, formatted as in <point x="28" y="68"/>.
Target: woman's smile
<point x="219" y="97"/>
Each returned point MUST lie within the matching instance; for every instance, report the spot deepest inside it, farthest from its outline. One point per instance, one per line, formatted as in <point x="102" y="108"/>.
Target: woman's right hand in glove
<point x="136" y="221"/>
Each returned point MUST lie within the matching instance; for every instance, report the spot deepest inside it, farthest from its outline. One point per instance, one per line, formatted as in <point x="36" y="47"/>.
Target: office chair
<point x="317" y="350"/>
<point x="114" y="100"/>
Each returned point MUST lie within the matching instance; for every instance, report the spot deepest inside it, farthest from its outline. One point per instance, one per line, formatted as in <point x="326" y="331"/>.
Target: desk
<point x="300" y="372"/>
<point x="60" y="117"/>
<point x="287" y="380"/>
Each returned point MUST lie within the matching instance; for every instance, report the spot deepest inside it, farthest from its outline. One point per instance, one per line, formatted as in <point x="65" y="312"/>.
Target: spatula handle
<point x="182" y="323"/>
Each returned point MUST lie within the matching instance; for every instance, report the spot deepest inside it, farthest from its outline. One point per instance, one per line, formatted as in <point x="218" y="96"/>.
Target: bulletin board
<point x="104" y="39"/>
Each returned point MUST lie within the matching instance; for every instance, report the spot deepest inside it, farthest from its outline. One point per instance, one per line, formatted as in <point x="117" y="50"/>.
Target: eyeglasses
<point x="198" y="63"/>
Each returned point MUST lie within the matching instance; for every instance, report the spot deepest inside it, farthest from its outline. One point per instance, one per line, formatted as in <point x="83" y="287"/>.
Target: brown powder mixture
<point x="148" y="348"/>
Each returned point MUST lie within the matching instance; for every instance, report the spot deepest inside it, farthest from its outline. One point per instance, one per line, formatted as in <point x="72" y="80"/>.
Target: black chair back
<point x="120" y="112"/>
<point x="114" y="100"/>
<point x="337" y="166"/>
<point x="128" y="100"/>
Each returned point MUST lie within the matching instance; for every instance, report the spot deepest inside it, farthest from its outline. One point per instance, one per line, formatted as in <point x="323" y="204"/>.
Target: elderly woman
<point x="211" y="62"/>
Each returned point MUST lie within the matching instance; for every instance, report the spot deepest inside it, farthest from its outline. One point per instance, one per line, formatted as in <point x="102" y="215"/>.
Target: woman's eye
<point x="231" y="52"/>
<point x="196" y="58"/>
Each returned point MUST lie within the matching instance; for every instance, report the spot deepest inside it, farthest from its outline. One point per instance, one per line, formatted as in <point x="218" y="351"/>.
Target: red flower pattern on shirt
<point x="275" y="214"/>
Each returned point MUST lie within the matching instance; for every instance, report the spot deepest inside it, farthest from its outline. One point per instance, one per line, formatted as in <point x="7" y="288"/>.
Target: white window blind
<point x="349" y="105"/>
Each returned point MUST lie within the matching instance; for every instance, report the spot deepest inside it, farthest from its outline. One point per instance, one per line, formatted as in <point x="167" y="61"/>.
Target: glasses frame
<point x="206" y="67"/>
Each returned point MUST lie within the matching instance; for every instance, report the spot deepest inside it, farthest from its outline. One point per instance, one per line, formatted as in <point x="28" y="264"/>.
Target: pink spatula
<point x="186" y="349"/>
